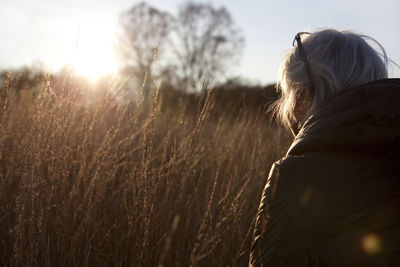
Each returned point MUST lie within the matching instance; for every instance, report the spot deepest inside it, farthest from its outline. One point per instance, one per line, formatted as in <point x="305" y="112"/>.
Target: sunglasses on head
<point x="303" y="56"/>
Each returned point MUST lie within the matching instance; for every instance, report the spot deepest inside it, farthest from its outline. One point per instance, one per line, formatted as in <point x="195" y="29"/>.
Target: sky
<point x="52" y="33"/>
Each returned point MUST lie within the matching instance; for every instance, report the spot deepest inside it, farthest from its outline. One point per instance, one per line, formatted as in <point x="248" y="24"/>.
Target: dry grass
<point x="124" y="183"/>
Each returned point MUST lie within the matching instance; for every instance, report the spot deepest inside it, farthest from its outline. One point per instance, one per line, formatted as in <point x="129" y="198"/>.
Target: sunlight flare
<point x="94" y="56"/>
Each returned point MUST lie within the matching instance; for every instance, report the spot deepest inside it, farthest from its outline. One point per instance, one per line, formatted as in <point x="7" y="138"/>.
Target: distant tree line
<point x="232" y="99"/>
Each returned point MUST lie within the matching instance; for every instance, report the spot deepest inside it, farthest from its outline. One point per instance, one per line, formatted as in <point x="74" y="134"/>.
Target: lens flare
<point x="372" y="244"/>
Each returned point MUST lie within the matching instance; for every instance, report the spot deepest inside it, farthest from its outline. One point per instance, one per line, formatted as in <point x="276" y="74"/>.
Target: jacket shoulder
<point x="280" y="238"/>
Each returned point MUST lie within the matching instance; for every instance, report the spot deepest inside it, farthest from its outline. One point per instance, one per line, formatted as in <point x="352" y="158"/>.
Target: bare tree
<point x="202" y="43"/>
<point x="208" y="42"/>
<point x="144" y="33"/>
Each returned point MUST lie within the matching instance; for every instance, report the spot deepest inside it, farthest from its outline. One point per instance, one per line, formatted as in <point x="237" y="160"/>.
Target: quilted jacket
<point x="334" y="199"/>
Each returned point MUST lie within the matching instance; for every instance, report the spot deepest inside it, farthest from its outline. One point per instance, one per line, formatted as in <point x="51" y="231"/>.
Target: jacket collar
<point x="363" y="118"/>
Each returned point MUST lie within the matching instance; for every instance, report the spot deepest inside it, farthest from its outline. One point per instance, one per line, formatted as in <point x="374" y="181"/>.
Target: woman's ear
<point x="303" y="103"/>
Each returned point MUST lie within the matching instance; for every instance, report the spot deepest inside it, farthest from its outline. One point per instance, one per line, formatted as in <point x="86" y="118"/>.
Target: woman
<point x="334" y="199"/>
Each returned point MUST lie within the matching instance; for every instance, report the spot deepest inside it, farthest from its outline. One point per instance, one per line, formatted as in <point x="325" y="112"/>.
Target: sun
<point x="94" y="55"/>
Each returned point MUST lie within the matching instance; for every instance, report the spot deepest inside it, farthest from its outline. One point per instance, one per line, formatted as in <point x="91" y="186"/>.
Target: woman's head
<point x="337" y="60"/>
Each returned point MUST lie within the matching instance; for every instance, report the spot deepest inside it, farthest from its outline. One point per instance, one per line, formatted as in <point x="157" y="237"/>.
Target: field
<point x="118" y="179"/>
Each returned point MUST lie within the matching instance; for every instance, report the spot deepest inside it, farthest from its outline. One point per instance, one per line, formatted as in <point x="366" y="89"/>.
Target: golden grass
<point x="111" y="182"/>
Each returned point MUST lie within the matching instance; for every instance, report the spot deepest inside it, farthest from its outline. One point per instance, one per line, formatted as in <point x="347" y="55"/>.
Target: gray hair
<point x="338" y="60"/>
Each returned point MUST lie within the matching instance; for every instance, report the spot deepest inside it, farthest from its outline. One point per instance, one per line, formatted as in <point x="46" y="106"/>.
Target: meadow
<point x="99" y="178"/>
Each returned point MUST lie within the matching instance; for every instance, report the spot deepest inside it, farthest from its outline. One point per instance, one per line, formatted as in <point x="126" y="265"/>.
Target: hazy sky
<point x="47" y="30"/>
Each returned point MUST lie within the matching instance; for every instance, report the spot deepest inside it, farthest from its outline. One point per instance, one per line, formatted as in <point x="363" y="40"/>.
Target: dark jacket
<point x="334" y="199"/>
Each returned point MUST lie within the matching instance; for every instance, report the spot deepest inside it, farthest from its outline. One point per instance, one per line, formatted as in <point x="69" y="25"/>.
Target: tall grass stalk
<point x="108" y="182"/>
